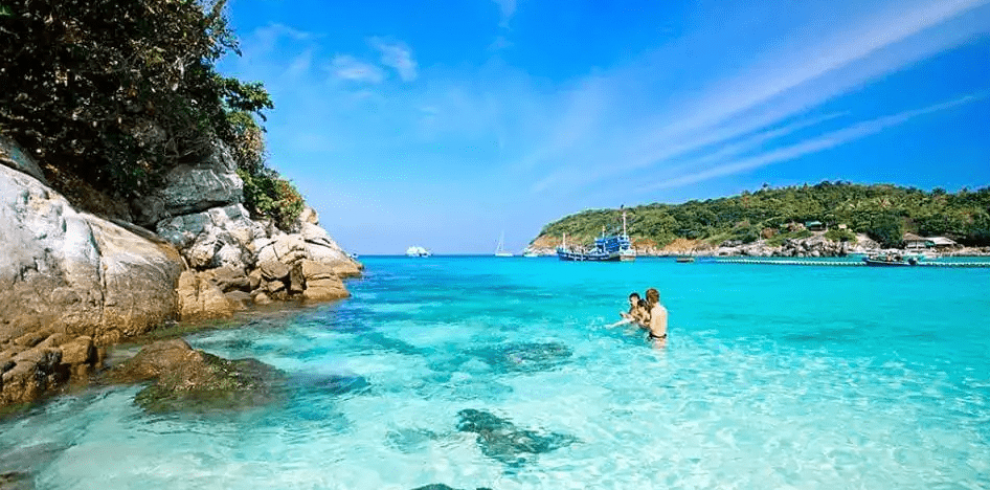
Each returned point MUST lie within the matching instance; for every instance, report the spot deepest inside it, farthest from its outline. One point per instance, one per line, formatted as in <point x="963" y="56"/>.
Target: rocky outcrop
<point x="193" y="380"/>
<point x="218" y="237"/>
<point x="72" y="283"/>
<point x="69" y="282"/>
<point x="208" y="183"/>
<point x="235" y="260"/>
<point x="218" y="293"/>
<point x="37" y="362"/>
<point x="814" y="246"/>
<point x="75" y="273"/>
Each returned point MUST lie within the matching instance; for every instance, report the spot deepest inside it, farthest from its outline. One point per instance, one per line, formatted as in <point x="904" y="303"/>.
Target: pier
<point x="823" y="263"/>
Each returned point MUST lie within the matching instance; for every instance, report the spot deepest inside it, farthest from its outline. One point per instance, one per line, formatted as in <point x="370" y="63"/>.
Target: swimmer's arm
<point x="625" y="321"/>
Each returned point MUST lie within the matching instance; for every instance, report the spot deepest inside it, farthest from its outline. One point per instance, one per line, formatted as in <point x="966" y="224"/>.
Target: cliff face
<point x="72" y="282"/>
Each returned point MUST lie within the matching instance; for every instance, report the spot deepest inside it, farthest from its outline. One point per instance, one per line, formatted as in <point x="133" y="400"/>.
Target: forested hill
<point x="884" y="212"/>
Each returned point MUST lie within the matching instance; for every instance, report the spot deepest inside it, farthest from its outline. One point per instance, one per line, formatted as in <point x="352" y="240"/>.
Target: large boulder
<point x="208" y="183"/>
<point x="321" y="282"/>
<point x="193" y="380"/>
<point x="200" y="298"/>
<point x="217" y="237"/>
<point x="75" y="273"/>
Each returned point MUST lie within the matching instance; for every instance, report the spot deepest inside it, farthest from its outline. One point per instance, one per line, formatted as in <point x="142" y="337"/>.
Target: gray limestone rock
<point x="210" y="183"/>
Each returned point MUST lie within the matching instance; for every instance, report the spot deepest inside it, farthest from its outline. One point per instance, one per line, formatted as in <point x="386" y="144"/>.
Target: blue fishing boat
<point x="612" y="247"/>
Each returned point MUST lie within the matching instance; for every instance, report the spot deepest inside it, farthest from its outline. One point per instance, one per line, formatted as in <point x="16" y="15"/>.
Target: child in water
<point x="639" y="312"/>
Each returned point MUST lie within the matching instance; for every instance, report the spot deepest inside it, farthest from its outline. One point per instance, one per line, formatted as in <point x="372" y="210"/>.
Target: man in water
<point x="657" y="325"/>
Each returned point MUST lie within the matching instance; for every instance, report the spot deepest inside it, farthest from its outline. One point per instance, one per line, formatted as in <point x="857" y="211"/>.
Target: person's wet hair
<point x="653" y="296"/>
<point x="634" y="295"/>
<point x="643" y="304"/>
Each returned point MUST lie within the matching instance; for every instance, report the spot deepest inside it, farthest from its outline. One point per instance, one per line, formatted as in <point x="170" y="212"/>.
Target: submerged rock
<point x="193" y="380"/>
<point x="501" y="440"/>
<point x="336" y="384"/>
<point x="15" y="480"/>
<point x="525" y="357"/>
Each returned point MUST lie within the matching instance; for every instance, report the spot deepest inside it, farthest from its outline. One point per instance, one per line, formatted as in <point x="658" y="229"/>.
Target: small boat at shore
<point x="890" y="261"/>
<point x="685" y="260"/>
<point x="529" y="254"/>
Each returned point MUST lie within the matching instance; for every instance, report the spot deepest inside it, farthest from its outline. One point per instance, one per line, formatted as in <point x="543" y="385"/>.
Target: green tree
<point x="119" y="91"/>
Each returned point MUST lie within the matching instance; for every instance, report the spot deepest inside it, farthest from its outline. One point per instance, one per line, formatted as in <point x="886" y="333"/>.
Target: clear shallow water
<point x="774" y="377"/>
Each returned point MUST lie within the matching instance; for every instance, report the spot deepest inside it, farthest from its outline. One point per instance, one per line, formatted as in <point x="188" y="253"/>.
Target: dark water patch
<point x="501" y="440"/>
<point x="524" y="356"/>
<point x="378" y="342"/>
<point x="441" y="486"/>
<point x="23" y="460"/>
<point x="331" y="384"/>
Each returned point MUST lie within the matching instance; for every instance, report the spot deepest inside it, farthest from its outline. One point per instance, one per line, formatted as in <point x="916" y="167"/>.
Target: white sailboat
<point x="499" y="250"/>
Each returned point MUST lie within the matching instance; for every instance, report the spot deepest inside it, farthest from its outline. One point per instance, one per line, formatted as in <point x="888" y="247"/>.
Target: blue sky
<point x="442" y="123"/>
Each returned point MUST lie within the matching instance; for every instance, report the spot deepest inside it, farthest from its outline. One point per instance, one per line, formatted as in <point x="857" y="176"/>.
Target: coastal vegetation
<point x="111" y="95"/>
<point x="883" y="212"/>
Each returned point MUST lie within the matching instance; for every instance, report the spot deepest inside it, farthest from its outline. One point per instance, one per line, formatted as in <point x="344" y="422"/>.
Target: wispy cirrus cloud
<point x="507" y="8"/>
<point x="766" y="93"/>
<point x="349" y="68"/>
<point x="398" y="56"/>
<point x="816" y="144"/>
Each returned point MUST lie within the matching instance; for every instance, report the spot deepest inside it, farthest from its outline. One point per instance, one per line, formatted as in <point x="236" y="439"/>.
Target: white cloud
<point x="397" y="56"/>
<point x="349" y="68"/>
<point x="813" y="145"/>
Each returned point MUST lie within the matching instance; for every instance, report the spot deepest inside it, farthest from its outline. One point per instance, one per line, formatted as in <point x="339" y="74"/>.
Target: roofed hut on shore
<point x="942" y="244"/>
<point x="914" y="242"/>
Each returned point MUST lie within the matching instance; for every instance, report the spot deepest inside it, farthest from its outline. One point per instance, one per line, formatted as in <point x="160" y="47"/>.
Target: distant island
<point x="830" y="218"/>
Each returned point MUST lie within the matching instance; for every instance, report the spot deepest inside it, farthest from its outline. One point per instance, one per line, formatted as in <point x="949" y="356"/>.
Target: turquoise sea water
<point x="774" y="377"/>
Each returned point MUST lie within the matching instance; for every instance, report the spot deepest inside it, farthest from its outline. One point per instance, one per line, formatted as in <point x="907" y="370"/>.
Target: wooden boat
<point x="685" y="260"/>
<point x="607" y="248"/>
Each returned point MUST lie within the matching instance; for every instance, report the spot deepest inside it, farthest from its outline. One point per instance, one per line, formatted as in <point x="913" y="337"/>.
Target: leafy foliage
<point x="268" y="195"/>
<point x="884" y="212"/>
<point x="837" y="235"/>
<point x="119" y="91"/>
